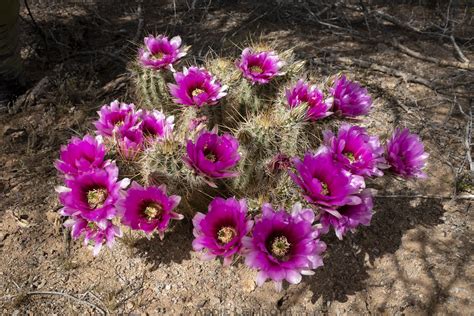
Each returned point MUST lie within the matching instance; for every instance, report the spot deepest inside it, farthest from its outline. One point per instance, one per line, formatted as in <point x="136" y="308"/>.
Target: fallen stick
<point x="432" y="197"/>
<point x="458" y="51"/>
<point x="440" y="62"/>
<point x="399" y="23"/>
<point x="394" y="72"/>
<point x="99" y="309"/>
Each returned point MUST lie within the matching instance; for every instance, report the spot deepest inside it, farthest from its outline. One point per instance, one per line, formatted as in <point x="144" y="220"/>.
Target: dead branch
<point x="440" y="62"/>
<point x="141" y="22"/>
<point x="430" y="197"/>
<point x="406" y="26"/>
<point x="384" y="69"/>
<point x="69" y="296"/>
<point x="458" y="51"/>
<point x="467" y="140"/>
<point x="407" y="77"/>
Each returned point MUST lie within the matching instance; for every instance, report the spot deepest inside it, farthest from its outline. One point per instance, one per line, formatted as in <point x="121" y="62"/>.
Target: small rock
<point x="168" y="287"/>
<point x="248" y="285"/>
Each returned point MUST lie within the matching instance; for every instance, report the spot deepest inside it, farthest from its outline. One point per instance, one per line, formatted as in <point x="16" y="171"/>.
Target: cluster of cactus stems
<point x="236" y="138"/>
<point x="257" y="115"/>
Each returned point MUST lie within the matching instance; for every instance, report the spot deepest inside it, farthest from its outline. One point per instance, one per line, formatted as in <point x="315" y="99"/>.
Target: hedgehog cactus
<point x="254" y="130"/>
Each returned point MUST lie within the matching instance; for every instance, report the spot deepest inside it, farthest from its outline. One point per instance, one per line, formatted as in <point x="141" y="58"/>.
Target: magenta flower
<point x="360" y="153"/>
<point x="148" y="209"/>
<point x="212" y="155"/>
<point x="220" y="231"/>
<point x="160" y="53"/>
<point x="259" y="67"/>
<point x="130" y="142"/>
<point x="93" y="233"/>
<point x="155" y="125"/>
<point x="324" y="182"/>
<point x="196" y="87"/>
<point x="350" y="99"/>
<point x="348" y="217"/>
<point x="302" y="93"/>
<point x="92" y="195"/>
<point x="406" y="154"/>
<point x="284" y="246"/>
<point x="114" y="116"/>
<point x="81" y="155"/>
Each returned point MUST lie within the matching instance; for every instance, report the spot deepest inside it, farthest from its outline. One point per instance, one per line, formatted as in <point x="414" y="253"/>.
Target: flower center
<point x="92" y="226"/>
<point x="324" y="188"/>
<point x="226" y="234"/>
<point x="256" y="69"/>
<point x="280" y="247"/>
<point x="152" y="211"/>
<point x="157" y="56"/>
<point x="96" y="197"/>
<point x="210" y="155"/>
<point x="119" y="123"/>
<point x="197" y="92"/>
<point x="350" y="156"/>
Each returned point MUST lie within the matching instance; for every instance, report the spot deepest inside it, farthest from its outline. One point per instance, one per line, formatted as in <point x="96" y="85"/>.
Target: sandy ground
<point x="415" y="258"/>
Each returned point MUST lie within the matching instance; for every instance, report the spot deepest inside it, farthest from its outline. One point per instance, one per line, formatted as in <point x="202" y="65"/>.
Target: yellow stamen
<point x="324" y="188"/>
<point x="256" y="69"/>
<point x="350" y="156"/>
<point x="197" y="92"/>
<point x="226" y="234"/>
<point x="280" y="246"/>
<point x="157" y="56"/>
<point x="96" y="197"/>
<point x="152" y="211"/>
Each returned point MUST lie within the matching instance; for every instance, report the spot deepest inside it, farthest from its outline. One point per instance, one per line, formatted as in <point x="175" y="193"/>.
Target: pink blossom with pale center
<point x="220" y="231"/>
<point x="160" y="52"/>
<point x="283" y="246"/>
<point x="148" y="208"/>
<point x="259" y="67"/>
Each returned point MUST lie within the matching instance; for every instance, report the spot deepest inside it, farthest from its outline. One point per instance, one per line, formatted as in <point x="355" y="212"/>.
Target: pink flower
<point x="325" y="182"/>
<point x="148" y="209"/>
<point x="130" y="142"/>
<point x="357" y="151"/>
<point x="155" y="125"/>
<point x="406" y="154"/>
<point x="81" y="155"/>
<point x="160" y="53"/>
<point x="213" y="156"/>
<point x="259" y="67"/>
<point x="350" y="99"/>
<point x="284" y="246"/>
<point x="92" y="195"/>
<point x="348" y="217"/>
<point x="196" y="87"/>
<point x="114" y="116"/>
<point x="220" y="231"/>
<point x="95" y="234"/>
<point x="302" y="93"/>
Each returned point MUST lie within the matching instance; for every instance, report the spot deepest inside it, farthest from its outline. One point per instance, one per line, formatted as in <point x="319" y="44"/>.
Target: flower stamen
<point x="256" y="69"/>
<point x="350" y="156"/>
<point x="226" y="234"/>
<point x="96" y="197"/>
<point x="324" y="189"/>
<point x="210" y="155"/>
<point x="152" y="211"/>
<point x="197" y="92"/>
<point x="280" y="247"/>
<point x="157" y="56"/>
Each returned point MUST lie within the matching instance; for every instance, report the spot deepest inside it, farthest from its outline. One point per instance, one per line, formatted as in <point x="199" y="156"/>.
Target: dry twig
<point x="69" y="296"/>
<point x="440" y="62"/>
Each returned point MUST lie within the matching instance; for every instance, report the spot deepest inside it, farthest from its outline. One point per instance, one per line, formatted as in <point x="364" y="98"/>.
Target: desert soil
<point x="415" y="258"/>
